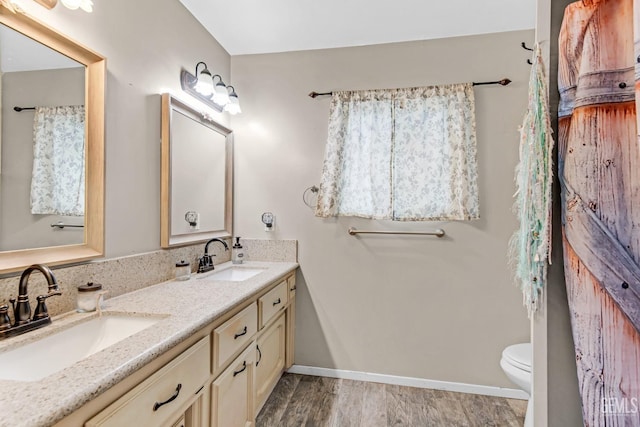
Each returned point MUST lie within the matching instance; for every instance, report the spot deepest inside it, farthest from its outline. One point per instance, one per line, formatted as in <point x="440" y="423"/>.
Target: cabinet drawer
<point x="157" y="399"/>
<point x="234" y="334"/>
<point x="272" y="302"/>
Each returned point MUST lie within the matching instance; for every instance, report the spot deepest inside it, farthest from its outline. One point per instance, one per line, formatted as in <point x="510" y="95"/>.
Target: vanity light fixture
<point x="203" y="87"/>
<point x="86" y="5"/>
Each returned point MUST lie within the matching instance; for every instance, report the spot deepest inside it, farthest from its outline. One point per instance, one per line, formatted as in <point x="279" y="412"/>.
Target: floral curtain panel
<point x="401" y="154"/>
<point x="57" y="183"/>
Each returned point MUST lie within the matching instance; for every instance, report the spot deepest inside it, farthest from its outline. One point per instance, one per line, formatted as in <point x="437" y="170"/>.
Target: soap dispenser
<point x="237" y="253"/>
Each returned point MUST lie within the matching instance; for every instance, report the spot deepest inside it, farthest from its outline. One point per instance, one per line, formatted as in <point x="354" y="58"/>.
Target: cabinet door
<point x="270" y="359"/>
<point x="232" y="393"/>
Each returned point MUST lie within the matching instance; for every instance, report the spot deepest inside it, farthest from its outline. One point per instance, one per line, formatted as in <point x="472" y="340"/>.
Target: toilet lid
<point x="519" y="355"/>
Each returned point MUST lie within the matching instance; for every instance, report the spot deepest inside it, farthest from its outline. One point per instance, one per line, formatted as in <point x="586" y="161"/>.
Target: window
<point x="401" y="154"/>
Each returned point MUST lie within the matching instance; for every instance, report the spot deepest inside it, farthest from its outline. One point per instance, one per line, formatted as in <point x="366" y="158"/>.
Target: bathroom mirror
<point x="49" y="77"/>
<point x="197" y="175"/>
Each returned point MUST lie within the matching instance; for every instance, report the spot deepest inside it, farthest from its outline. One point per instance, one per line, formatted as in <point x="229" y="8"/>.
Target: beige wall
<point x="146" y="43"/>
<point x="19" y="229"/>
<point x="439" y="309"/>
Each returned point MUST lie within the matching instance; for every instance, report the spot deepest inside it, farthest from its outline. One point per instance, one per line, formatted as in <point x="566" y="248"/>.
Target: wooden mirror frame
<point x="168" y="240"/>
<point x="95" y="70"/>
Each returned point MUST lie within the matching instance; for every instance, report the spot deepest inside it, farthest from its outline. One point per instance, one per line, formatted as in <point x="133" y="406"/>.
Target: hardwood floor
<point x="301" y="400"/>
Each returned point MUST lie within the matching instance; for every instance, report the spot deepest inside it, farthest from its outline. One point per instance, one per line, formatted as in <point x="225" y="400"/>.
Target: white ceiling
<point x="265" y="26"/>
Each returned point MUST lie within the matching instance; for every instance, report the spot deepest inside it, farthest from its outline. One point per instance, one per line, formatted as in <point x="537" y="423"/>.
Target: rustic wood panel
<point x="599" y="167"/>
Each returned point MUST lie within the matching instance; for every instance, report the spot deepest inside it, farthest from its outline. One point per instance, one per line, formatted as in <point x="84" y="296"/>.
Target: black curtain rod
<point x="502" y="82"/>
<point x="18" y="109"/>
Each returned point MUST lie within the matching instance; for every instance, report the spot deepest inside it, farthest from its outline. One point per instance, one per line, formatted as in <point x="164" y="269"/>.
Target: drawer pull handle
<point x="276" y="302"/>
<point x="293" y="289"/>
<point x="259" y="355"/>
<point x="244" y="367"/>
<point x="244" y="332"/>
<point x="157" y="405"/>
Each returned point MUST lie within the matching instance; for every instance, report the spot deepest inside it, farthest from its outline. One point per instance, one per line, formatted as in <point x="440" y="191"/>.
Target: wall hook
<point x="524" y="46"/>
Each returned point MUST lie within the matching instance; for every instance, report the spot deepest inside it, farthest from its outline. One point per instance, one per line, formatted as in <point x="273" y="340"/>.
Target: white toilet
<point x="516" y="363"/>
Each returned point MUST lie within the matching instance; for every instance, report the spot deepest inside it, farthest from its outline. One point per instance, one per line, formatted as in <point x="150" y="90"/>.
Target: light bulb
<point x="72" y="4"/>
<point x="233" y="107"/>
<point x="87" y="6"/>
<point x="204" y="85"/>
<point x="220" y="94"/>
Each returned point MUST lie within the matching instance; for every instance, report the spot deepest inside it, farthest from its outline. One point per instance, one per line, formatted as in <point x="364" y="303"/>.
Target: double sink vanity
<point x="203" y="352"/>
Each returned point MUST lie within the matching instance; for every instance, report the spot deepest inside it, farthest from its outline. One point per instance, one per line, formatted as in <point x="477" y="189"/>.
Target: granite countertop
<point x="185" y="307"/>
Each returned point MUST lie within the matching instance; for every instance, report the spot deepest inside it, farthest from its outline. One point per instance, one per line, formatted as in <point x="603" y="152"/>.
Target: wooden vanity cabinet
<point x="221" y="376"/>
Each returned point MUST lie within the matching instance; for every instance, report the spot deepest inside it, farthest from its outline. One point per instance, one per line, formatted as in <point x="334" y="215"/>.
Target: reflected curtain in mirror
<point x="49" y="69"/>
<point x="57" y="183"/>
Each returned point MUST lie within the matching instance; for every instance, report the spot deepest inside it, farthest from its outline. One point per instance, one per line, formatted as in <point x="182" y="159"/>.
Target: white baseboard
<point x="409" y="381"/>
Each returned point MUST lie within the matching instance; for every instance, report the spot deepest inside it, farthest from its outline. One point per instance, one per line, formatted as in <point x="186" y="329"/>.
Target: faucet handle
<point x="5" y="321"/>
<point x="41" y="311"/>
<point x="205" y="263"/>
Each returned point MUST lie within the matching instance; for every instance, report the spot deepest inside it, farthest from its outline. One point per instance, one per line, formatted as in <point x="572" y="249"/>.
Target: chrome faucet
<point x="205" y="262"/>
<point x="22" y="310"/>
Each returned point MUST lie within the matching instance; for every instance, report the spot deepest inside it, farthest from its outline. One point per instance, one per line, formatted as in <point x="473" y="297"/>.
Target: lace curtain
<point x="57" y="183"/>
<point x="401" y="154"/>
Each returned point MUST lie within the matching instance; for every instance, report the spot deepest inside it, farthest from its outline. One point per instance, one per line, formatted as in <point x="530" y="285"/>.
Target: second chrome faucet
<point x="205" y="262"/>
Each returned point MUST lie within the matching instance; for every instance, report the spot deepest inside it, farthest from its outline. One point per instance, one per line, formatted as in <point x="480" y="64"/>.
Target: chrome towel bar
<point x="63" y="225"/>
<point x="438" y="232"/>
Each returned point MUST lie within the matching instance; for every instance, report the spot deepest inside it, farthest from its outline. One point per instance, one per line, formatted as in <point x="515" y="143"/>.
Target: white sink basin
<point x="233" y="274"/>
<point x="38" y="359"/>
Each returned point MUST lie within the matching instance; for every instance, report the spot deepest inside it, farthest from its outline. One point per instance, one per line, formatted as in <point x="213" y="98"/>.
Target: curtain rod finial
<point x="504" y="82"/>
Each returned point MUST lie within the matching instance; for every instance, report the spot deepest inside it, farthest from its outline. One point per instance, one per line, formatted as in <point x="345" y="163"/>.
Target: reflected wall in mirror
<point x="197" y="176"/>
<point x="52" y="151"/>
